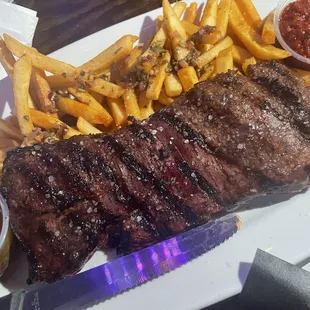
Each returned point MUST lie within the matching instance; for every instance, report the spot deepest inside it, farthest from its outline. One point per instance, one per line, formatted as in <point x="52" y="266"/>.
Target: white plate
<point x="282" y="228"/>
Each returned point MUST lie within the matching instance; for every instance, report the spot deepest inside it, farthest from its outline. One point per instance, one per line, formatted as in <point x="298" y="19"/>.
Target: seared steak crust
<point x="224" y="142"/>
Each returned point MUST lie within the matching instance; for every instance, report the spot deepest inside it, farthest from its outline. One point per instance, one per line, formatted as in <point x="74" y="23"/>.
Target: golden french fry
<point x="13" y="121"/>
<point x="223" y="16"/>
<point x="86" y="128"/>
<point x="172" y="21"/>
<point x="98" y="97"/>
<point x="160" y="37"/>
<point x="21" y="82"/>
<point x="131" y="60"/>
<point x="240" y="54"/>
<point x="189" y="27"/>
<point x="131" y="104"/>
<point x="251" y="16"/>
<point x="250" y="38"/>
<point x="224" y="61"/>
<point x="118" y="111"/>
<point x="208" y="72"/>
<point x="78" y="109"/>
<point x="210" y="55"/>
<point x="6" y="58"/>
<point x="188" y="77"/>
<point x="10" y="131"/>
<point x="101" y="86"/>
<point x="159" y="21"/>
<point x="269" y="33"/>
<point x="164" y="99"/>
<point x="205" y="47"/>
<point x="191" y="13"/>
<point x="60" y="81"/>
<point x="212" y="38"/>
<point x="173" y="86"/>
<point x="116" y="52"/>
<point x="209" y="15"/>
<point x="41" y="91"/>
<point x="146" y="105"/>
<point x="46" y="121"/>
<point x="305" y="75"/>
<point x="37" y="59"/>
<point x="247" y="62"/>
<point x="156" y="82"/>
<point x="88" y="99"/>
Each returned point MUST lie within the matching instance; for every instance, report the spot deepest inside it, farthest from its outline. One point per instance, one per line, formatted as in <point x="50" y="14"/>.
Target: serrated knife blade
<point x="102" y="282"/>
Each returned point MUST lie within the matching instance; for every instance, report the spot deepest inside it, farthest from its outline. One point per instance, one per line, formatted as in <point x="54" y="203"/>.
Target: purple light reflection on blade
<point x="129" y="271"/>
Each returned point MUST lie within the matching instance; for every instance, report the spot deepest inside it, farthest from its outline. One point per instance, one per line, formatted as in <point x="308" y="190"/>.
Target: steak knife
<point x="100" y="283"/>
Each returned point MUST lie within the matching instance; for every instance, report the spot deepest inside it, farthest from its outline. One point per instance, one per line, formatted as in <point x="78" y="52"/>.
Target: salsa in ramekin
<point x="292" y="23"/>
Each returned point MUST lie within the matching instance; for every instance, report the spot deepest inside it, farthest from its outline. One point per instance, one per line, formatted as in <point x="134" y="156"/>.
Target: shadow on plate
<point x="15" y="277"/>
<point x="6" y="94"/>
<point x="145" y="34"/>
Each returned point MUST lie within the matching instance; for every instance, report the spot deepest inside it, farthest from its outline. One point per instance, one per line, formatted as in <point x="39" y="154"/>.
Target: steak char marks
<point x="226" y="141"/>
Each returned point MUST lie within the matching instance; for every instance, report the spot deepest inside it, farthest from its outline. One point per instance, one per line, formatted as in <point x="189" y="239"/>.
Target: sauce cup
<point x="296" y="60"/>
<point x="6" y="236"/>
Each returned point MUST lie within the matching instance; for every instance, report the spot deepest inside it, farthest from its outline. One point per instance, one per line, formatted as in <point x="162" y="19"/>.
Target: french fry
<point x="78" y="109"/>
<point x="12" y="121"/>
<point x="86" y="128"/>
<point x="164" y="99"/>
<point x="240" y="54"/>
<point x="116" y="52"/>
<point x="46" y="121"/>
<point x="40" y="89"/>
<point x="189" y="27"/>
<point x="118" y="111"/>
<point x="131" y="104"/>
<point x="173" y="86"/>
<point x="131" y="60"/>
<point x="188" y="77"/>
<point x="98" y="97"/>
<point x="205" y="48"/>
<point x="159" y="21"/>
<point x="210" y="55"/>
<point x="209" y="15"/>
<point x="60" y="81"/>
<point x="269" y="33"/>
<point x="172" y="21"/>
<point x="208" y="72"/>
<point x="37" y="59"/>
<point x="212" y="38"/>
<point x="305" y="75"/>
<point x="247" y="62"/>
<point x="160" y="37"/>
<point x="146" y="105"/>
<point x="251" y="16"/>
<point x="21" y="82"/>
<point x="10" y="131"/>
<point x="224" y="61"/>
<point x="191" y="13"/>
<point x="102" y="86"/>
<point x="250" y="38"/>
<point x="156" y="82"/>
<point x="88" y="99"/>
<point x="223" y="16"/>
<point x="6" y="58"/>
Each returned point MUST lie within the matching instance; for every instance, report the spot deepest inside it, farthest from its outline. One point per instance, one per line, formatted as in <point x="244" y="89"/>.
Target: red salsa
<point x="295" y="26"/>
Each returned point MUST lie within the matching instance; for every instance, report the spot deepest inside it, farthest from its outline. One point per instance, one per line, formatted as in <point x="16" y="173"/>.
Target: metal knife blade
<point x="100" y="283"/>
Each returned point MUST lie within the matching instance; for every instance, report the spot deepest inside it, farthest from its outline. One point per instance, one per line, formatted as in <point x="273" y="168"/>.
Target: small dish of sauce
<point x="292" y="25"/>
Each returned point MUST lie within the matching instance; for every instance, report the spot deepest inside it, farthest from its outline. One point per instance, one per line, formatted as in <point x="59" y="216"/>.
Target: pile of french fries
<point x="128" y="79"/>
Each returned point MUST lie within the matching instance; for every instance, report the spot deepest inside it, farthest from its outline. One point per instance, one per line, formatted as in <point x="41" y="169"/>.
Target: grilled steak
<point x="223" y="143"/>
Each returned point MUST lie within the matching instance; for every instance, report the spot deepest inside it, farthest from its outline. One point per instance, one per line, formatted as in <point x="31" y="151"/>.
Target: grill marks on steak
<point x="224" y="142"/>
